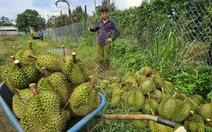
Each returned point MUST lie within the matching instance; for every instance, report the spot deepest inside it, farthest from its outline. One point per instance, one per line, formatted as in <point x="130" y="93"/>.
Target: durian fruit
<point x="116" y="97"/>
<point x="168" y="87"/>
<point x="157" y="95"/>
<point x="206" y="111"/>
<point x="6" y="77"/>
<point x="150" y="103"/>
<point x="130" y="78"/>
<point x="55" y="82"/>
<point x="194" y="106"/>
<point x="158" y="73"/>
<point x="134" y="99"/>
<point x="104" y="83"/>
<point x="158" y="81"/>
<point x="114" y="79"/>
<point x="114" y="86"/>
<point x="197" y="98"/>
<point x="78" y="73"/>
<point x="20" y="77"/>
<point x="52" y="61"/>
<point x="140" y="78"/>
<point x="167" y="107"/>
<point x="182" y="111"/>
<point x="22" y="55"/>
<point x="43" y="112"/>
<point x="156" y="127"/>
<point x="194" y="123"/>
<point x="179" y="95"/>
<point x="139" y="123"/>
<point x="147" y="86"/>
<point x="67" y="66"/>
<point x="20" y="100"/>
<point x="146" y="70"/>
<point x="84" y="98"/>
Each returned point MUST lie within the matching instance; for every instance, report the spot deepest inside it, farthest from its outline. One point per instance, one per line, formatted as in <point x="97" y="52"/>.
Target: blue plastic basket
<point x="6" y="104"/>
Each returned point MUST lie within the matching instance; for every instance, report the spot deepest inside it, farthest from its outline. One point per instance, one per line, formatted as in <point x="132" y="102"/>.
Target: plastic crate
<point x="6" y="104"/>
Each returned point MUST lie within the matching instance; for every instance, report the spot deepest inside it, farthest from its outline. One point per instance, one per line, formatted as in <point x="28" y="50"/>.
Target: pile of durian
<point x="49" y="88"/>
<point x="146" y="91"/>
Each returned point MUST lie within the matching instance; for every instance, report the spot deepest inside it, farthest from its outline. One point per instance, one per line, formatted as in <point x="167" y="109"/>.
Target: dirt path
<point x="5" y="125"/>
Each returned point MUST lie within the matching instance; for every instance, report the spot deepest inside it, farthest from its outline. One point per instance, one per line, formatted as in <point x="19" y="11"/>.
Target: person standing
<point x="105" y="27"/>
<point x="41" y="35"/>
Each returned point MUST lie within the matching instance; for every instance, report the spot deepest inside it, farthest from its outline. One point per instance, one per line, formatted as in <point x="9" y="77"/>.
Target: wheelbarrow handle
<point x="138" y="117"/>
<point x="166" y="122"/>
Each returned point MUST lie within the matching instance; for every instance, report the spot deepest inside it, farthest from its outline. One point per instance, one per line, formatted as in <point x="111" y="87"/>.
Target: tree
<point x="30" y="19"/>
<point x="6" y="21"/>
<point x="78" y="14"/>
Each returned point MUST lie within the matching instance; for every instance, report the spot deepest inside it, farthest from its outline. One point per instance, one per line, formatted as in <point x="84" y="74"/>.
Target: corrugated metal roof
<point x="8" y="28"/>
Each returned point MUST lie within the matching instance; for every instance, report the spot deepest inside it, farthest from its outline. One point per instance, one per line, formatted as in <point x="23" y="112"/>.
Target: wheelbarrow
<point x="6" y="104"/>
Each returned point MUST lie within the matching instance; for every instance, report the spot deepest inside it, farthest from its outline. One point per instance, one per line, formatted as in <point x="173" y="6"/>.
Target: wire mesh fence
<point x="190" y="23"/>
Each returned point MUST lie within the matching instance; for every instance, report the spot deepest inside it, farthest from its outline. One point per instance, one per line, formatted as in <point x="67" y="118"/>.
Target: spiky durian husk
<point x="206" y="111"/>
<point x="17" y="107"/>
<point x="43" y="85"/>
<point x="6" y="78"/>
<point x="139" y="123"/>
<point x="33" y="118"/>
<point x="149" y="104"/>
<point x="134" y="100"/>
<point x="182" y="111"/>
<point x="76" y="75"/>
<point x="84" y="99"/>
<point x="22" y="56"/>
<point x="60" y="85"/>
<point x="51" y="61"/>
<point x="18" y="79"/>
<point x="31" y="73"/>
<point x="43" y="114"/>
<point x="116" y="97"/>
<point x="67" y="66"/>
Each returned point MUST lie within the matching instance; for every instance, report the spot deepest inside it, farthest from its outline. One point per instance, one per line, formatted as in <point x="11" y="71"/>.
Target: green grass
<point x="125" y="56"/>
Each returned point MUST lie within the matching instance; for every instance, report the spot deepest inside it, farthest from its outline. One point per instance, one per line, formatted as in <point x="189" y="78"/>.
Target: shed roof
<point x="8" y="28"/>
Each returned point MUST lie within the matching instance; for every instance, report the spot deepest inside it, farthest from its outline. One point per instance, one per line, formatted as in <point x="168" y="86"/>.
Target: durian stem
<point x="123" y="98"/>
<point x="175" y="94"/>
<point x="91" y="81"/>
<point x="134" y="87"/>
<point x="12" y="58"/>
<point x="152" y="111"/>
<point x="148" y="96"/>
<point x="74" y="57"/>
<point x="32" y="87"/>
<point x="33" y="56"/>
<point x="120" y="85"/>
<point x="63" y="50"/>
<point x="186" y="99"/>
<point x="66" y="104"/>
<point x="177" y="91"/>
<point x="209" y="122"/>
<point x="162" y="90"/>
<point x="45" y="72"/>
<point x="154" y="96"/>
<point x="152" y="77"/>
<point x="133" y="71"/>
<point x="192" y="113"/>
<point x="30" y="45"/>
<point x="17" y="62"/>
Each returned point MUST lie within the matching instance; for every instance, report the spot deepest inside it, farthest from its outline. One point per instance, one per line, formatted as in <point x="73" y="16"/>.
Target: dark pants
<point x="41" y="37"/>
<point x="103" y="52"/>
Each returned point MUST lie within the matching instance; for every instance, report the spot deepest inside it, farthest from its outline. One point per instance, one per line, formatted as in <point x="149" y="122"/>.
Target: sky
<point x="11" y="8"/>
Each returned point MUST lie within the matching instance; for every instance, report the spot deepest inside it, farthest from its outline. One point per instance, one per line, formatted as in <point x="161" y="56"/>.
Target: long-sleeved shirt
<point x="105" y="30"/>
